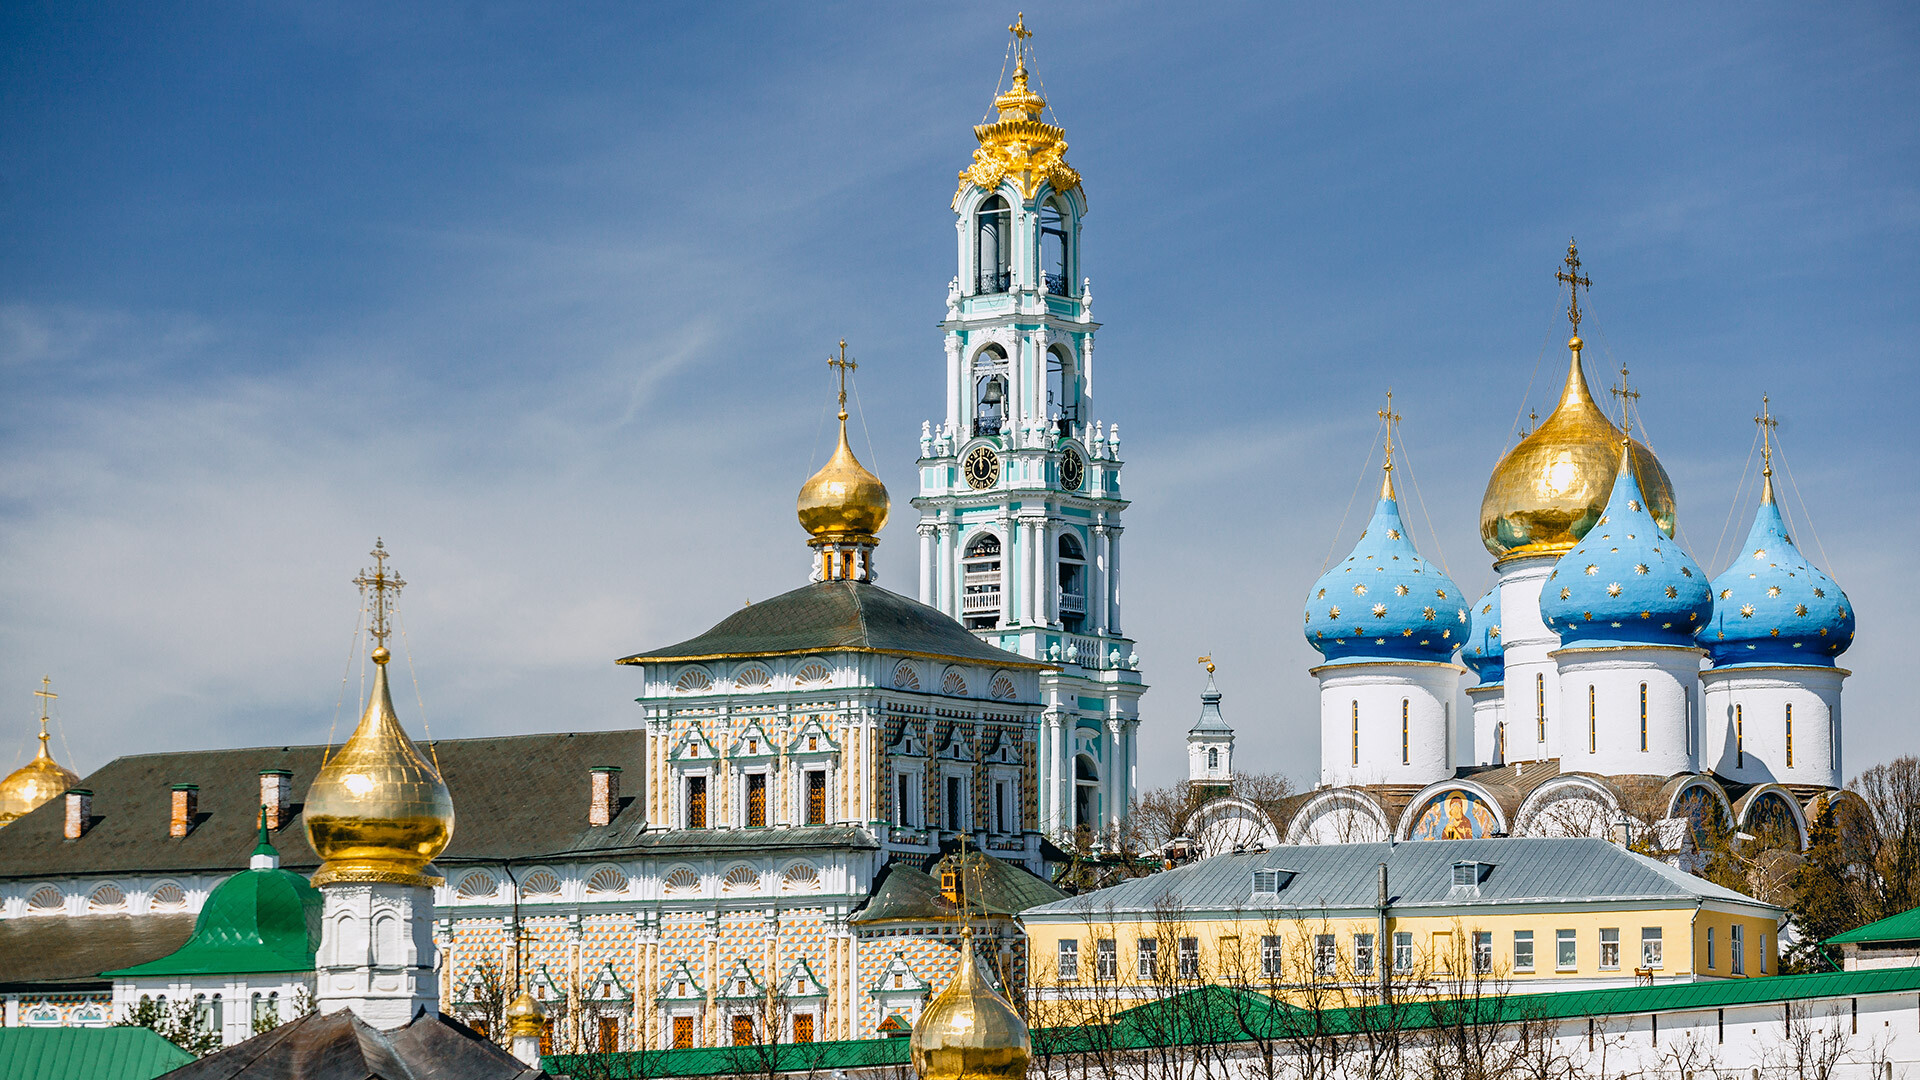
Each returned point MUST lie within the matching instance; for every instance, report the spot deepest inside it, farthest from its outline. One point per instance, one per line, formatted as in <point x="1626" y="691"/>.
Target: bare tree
<point x="1810" y="1048"/>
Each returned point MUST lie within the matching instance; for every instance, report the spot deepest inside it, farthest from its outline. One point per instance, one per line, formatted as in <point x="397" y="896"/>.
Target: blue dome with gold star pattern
<point x="1626" y="582"/>
<point x="1385" y="602"/>
<point x="1773" y="606"/>
<point x="1484" y="653"/>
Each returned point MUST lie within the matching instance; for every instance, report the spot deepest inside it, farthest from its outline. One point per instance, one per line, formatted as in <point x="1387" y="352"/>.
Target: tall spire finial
<point x="1020" y="35"/>
<point x="1206" y="662"/>
<point x="1767" y="423"/>
<point x="1627" y="395"/>
<point x="845" y="365"/>
<point x="1392" y="418"/>
<point x="1571" y="275"/>
<point x="46" y="696"/>
<point x="385" y="586"/>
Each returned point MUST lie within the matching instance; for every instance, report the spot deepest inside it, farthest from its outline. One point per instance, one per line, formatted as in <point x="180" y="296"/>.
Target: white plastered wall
<point x="1384" y="693"/>
<point x="1762" y="696"/>
<point x="1671" y="675"/>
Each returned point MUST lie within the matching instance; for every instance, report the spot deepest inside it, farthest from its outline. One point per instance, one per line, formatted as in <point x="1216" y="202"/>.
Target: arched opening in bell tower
<point x="980" y="606"/>
<point x="989" y="390"/>
<point x="1073" y="584"/>
<point x="1063" y="391"/>
<point x="1055" y="249"/>
<point x="993" y="233"/>
<point x="1086" y="792"/>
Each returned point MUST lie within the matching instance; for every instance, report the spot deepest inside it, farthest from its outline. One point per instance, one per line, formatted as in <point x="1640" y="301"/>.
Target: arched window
<point x="1593" y="723"/>
<point x="1540" y="706"/>
<point x="993" y="236"/>
<point x="1406" y="732"/>
<point x="1213" y="757"/>
<point x="1054" y="262"/>
<point x="980" y="600"/>
<point x="1789" y="728"/>
<point x="1063" y="392"/>
<point x="1739" y="739"/>
<point x="1073" y="585"/>
<point x="990" y="390"/>
<point x="1643" y="716"/>
<point x="1356" y="731"/>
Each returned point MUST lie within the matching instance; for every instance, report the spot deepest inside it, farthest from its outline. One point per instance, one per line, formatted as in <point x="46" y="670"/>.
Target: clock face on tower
<point x="982" y="468"/>
<point x="1072" y="469"/>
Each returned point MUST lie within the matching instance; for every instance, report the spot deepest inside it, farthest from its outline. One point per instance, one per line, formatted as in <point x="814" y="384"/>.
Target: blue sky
<point x="542" y="295"/>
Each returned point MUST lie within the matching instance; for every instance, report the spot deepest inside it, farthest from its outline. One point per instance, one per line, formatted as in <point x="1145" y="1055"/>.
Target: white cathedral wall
<point x="1489" y="713"/>
<point x="1758" y="698"/>
<point x="1383" y="693"/>
<point x="1616" y="674"/>
<point x="1531" y="671"/>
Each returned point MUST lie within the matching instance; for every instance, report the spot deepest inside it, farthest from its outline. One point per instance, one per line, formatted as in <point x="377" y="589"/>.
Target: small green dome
<point x="259" y="920"/>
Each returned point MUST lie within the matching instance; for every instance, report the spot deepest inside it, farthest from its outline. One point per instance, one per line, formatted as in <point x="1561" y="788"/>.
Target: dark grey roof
<point x="1419" y="874"/>
<point x="57" y="952"/>
<point x="837" y="616"/>
<point x="341" y="1046"/>
<point x="906" y="891"/>
<point x="1210" y="719"/>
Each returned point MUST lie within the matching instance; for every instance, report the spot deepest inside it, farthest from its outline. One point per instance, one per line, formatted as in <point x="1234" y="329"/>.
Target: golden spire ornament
<point x="843" y="503"/>
<point x="1018" y="145"/>
<point x="33" y="784"/>
<point x="1767" y="424"/>
<point x="1392" y="418"/>
<point x="1571" y="275"/>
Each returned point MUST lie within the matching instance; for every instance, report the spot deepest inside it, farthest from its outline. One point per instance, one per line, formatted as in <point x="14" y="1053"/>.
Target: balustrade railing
<point x="996" y="281"/>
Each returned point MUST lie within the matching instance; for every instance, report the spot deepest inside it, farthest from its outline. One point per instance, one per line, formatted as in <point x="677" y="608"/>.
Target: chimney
<point x="79" y="812"/>
<point x="606" y="795"/>
<point x="276" y="795"/>
<point x="186" y="803"/>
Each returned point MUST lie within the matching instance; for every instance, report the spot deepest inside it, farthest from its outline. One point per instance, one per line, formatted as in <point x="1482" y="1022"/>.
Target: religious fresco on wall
<point x="1702" y="813"/>
<point x="1454" y="815"/>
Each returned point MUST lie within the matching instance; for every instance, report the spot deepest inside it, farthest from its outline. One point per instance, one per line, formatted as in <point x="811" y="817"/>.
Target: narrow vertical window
<point x="696" y="802"/>
<point x="756" y="800"/>
<point x="1710" y="957"/>
<point x="954" y="796"/>
<point x="1737" y="948"/>
<point x="1592" y="727"/>
<point x="1500" y="744"/>
<point x="1356" y="731"/>
<point x="1405" y="716"/>
<point x="901" y="802"/>
<point x="1540" y="706"/>
<point x="817" y="796"/>
<point x="1789" y="735"/>
<point x="1739" y="739"/>
<point x="1643" y="716"/>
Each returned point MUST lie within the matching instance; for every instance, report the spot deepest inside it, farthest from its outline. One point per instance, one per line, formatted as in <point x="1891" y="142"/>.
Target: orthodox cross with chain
<point x="1767" y="423"/>
<point x="382" y="582"/>
<point x="1571" y="275"/>
<point x="1627" y="396"/>
<point x="845" y="365"/>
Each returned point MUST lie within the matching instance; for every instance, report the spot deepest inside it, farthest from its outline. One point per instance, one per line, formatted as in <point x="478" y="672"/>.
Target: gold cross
<point x="382" y="582"/>
<point x="1391" y="418"/>
<point x="1767" y="423"/>
<point x="1627" y="395"/>
<point x="1019" y="28"/>
<point x="46" y="696"/>
<point x="845" y="365"/>
<point x="1571" y="275"/>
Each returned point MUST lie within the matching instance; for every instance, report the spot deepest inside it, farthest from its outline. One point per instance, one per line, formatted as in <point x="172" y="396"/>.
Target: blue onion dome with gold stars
<point x="1773" y="606"/>
<point x="1626" y="581"/>
<point x="1484" y="652"/>
<point x="1385" y="602"/>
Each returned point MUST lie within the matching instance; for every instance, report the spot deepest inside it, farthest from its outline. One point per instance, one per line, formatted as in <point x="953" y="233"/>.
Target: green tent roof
<point x="1902" y="927"/>
<point x="73" y="1053"/>
<point x="259" y="920"/>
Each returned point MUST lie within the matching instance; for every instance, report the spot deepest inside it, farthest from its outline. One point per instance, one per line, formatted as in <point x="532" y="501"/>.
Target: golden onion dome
<point x="378" y="811"/>
<point x="843" y="501"/>
<point x="1551" y="487"/>
<point x="34" y="783"/>
<point x="969" y="1030"/>
<point x="524" y="1017"/>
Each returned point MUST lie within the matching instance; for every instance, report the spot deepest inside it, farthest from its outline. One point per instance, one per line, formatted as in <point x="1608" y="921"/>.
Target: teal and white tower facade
<point x="1020" y="496"/>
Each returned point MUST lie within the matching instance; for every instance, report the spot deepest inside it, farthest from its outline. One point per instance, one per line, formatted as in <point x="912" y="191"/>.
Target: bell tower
<point x="1020" y="497"/>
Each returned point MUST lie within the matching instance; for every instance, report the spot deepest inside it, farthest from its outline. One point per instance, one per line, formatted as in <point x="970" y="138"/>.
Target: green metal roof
<point x="259" y="920"/>
<point x="816" y="1057"/>
<point x="77" y="1053"/>
<point x="1902" y="927"/>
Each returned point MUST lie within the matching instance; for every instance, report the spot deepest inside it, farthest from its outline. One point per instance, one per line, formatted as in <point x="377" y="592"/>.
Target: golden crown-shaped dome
<point x="1018" y="144"/>
<point x="970" y="1030"/>
<point x="30" y="785"/>
<point x="525" y="1017"/>
<point x="1553" y="486"/>
<point x="378" y="811"/>
<point x="843" y="501"/>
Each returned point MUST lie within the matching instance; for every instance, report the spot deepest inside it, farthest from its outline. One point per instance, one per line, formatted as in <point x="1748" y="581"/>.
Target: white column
<point x="1036" y="566"/>
<point x="928" y="564"/>
<point x="1116" y="765"/>
<point x="1097" y="588"/>
<point x="1531" y="674"/>
<point x="1113" y="579"/>
<point x="957" y="384"/>
<point x="1006" y="569"/>
<point x="943" y="583"/>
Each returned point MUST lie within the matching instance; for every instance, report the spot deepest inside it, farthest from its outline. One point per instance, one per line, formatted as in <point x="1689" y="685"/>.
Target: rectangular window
<point x="1567" y="954"/>
<point x="1402" y="951"/>
<point x="743" y="1030"/>
<point x="1149" y="959"/>
<point x="1710" y="957"/>
<point x="1737" y="948"/>
<point x="696" y="802"/>
<point x="803" y="1027"/>
<point x="1592" y="725"/>
<point x="817" y="797"/>
<point x="1068" y="953"/>
<point x="1789" y="735"/>
<point x="1106" y="959"/>
<point x="1271" y="957"/>
<point x="900" y="803"/>
<point x="1540" y="706"/>
<point x="756" y="800"/>
<point x="1739" y="739"/>
<point x="1356" y="731"/>
<point x="1483" y="952"/>
<point x="1650" y="946"/>
<point x="1363" y="954"/>
<point x="546" y="1037"/>
<point x="1000" y="808"/>
<point x="1763" y="954"/>
<point x="1189" y="957"/>
<point x="682" y="1032"/>
<point x="1523" y="950"/>
<point x="1610" y="948"/>
<point x="609" y="1042"/>
<point x="1643" y="716"/>
<point x="1405" y="724"/>
<point x="1325" y="956"/>
<point x="954" y="807"/>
